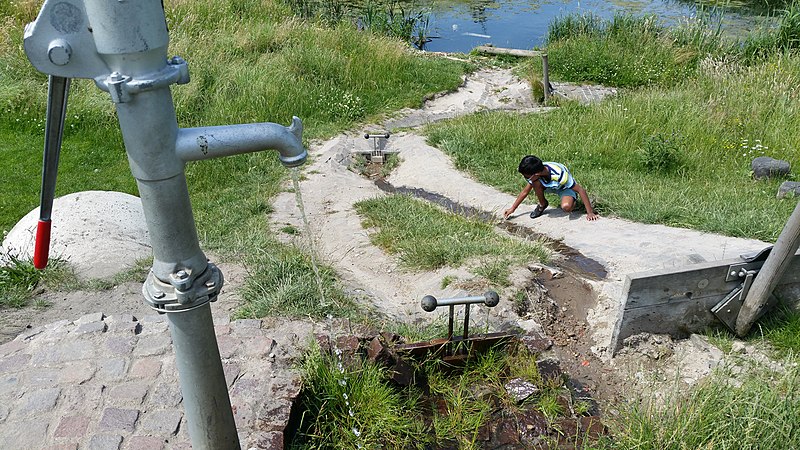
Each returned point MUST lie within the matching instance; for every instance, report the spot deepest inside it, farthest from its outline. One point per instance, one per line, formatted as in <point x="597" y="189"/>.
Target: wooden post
<point x="522" y="53"/>
<point x="545" y="78"/>
<point x="770" y="274"/>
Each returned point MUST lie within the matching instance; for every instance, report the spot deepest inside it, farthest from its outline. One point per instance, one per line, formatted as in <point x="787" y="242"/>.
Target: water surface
<point x="461" y="26"/>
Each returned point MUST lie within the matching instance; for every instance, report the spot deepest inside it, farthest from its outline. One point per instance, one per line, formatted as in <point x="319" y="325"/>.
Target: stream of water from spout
<point x="307" y="229"/>
<point x="332" y="335"/>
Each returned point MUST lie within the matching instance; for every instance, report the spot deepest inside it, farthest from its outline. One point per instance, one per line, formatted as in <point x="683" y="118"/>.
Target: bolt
<point x="210" y="283"/>
<point x="116" y="76"/>
<point x="181" y="274"/>
<point x="158" y="294"/>
<point x="59" y="52"/>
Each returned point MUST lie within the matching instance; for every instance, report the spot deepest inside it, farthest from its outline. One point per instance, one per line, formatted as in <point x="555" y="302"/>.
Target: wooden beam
<point x="506" y="51"/>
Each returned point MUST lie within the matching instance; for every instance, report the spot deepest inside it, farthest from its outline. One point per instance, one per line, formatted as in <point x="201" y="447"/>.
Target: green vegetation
<point x="18" y="279"/>
<point x="260" y="64"/>
<point x="425" y="237"/>
<point x="678" y="156"/>
<point x="757" y="410"/>
<point x="348" y="402"/>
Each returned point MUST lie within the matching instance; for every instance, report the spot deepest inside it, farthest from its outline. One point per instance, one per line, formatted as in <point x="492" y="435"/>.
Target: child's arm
<point x="590" y="215"/>
<point x="525" y="191"/>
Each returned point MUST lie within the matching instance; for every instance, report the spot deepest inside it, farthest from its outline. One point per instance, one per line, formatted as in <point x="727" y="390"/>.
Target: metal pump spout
<point x="194" y="144"/>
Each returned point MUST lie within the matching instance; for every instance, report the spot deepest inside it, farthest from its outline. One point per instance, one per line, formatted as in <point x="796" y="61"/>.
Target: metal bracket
<point x="122" y="87"/>
<point x="183" y="293"/>
<point x="728" y="309"/>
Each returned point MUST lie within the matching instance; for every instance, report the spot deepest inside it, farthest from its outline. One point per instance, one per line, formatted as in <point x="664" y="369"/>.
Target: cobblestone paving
<point x="110" y="383"/>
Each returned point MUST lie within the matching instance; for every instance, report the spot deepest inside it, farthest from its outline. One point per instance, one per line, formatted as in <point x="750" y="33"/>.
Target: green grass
<point x="755" y="410"/>
<point x="425" y="237"/>
<point x="451" y="410"/>
<point x="711" y="126"/>
<point x="259" y="64"/>
<point x="19" y="280"/>
<point x="354" y="407"/>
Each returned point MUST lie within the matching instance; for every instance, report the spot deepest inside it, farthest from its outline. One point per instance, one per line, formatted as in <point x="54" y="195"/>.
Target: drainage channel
<point x="576" y="262"/>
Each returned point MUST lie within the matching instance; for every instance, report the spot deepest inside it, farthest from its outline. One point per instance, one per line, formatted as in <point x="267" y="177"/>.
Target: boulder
<point x="789" y="189"/>
<point x="766" y="167"/>
<point x="99" y="233"/>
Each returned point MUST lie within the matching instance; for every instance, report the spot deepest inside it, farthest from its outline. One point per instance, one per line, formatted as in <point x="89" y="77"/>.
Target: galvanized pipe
<point x="211" y="424"/>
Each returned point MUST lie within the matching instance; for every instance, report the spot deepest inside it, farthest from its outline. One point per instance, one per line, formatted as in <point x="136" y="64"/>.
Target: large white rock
<point x="99" y="233"/>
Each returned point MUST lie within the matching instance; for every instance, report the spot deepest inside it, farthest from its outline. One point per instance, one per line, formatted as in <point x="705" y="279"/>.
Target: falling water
<point x="311" y="248"/>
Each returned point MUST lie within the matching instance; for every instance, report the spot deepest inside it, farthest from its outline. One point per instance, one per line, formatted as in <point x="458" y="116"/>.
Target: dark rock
<point x="390" y="338"/>
<point x="536" y="343"/>
<point x="402" y="373"/>
<point x="377" y="352"/>
<point x="505" y="433"/>
<point x="533" y="424"/>
<point x="324" y="343"/>
<point x="789" y="189"/>
<point x="766" y="167"/>
<point x="592" y="427"/>
<point x="550" y="370"/>
<point x="520" y="389"/>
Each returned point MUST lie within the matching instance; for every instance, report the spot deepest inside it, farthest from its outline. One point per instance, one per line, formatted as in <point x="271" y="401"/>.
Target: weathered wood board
<point x="506" y="51"/>
<point x="678" y="302"/>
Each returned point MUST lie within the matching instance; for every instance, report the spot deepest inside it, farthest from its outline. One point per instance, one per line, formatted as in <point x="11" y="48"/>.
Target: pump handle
<point x="385" y="135"/>
<point x="57" y="92"/>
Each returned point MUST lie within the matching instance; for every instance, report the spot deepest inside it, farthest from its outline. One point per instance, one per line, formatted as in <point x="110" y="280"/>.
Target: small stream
<point x="575" y="262"/>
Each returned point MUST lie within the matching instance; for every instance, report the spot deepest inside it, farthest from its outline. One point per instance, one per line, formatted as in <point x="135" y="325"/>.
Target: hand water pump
<point x="122" y="45"/>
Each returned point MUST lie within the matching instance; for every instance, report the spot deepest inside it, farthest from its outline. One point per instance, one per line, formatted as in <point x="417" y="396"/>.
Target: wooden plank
<point x="678" y="302"/>
<point x="506" y="51"/>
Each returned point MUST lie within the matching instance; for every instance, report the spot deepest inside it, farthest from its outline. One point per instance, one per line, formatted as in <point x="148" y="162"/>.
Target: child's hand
<point x="507" y="213"/>
<point x="591" y="216"/>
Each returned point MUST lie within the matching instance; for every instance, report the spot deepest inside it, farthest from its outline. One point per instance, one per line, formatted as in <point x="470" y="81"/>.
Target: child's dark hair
<point x="530" y="165"/>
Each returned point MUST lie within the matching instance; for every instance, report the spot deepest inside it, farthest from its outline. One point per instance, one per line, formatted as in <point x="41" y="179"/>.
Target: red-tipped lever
<point x="57" y="91"/>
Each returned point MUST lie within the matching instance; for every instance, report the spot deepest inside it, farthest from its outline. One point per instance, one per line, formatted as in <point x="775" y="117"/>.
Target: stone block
<point x="145" y="443"/>
<point x="270" y="440"/>
<point x="153" y="345"/>
<point x="14" y="363"/>
<point x="147" y="368"/>
<point x="789" y="189"/>
<point x="91" y="327"/>
<point x="259" y="347"/>
<point x="120" y="345"/>
<point x="27" y="434"/>
<point x="166" y="396"/>
<point x="520" y="389"/>
<point x="231" y="371"/>
<point x="162" y="422"/>
<point x="77" y="372"/>
<point x="228" y="345"/>
<point x="766" y="167"/>
<point x="72" y="426"/>
<point x="89" y="318"/>
<point x="112" y="369"/>
<point x="128" y="394"/>
<point x="11" y="347"/>
<point x="38" y="402"/>
<point x="105" y="442"/>
<point x="119" y="419"/>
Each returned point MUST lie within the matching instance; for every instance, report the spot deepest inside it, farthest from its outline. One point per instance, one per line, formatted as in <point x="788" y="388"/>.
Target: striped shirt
<point x="560" y="178"/>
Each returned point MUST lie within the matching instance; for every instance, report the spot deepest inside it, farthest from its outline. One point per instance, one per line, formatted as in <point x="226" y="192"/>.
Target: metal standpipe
<point x="122" y="46"/>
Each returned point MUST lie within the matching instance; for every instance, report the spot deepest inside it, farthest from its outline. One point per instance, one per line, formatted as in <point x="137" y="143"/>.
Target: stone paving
<point x="110" y="383"/>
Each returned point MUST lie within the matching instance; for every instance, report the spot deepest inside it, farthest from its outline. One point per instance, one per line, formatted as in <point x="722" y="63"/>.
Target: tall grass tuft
<point x="354" y="407"/>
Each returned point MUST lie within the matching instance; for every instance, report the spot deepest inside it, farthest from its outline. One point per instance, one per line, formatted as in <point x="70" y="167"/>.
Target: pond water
<point x="461" y="26"/>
